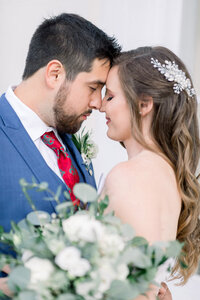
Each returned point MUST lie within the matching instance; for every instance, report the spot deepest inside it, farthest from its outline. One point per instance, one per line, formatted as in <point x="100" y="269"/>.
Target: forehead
<point x="98" y="73"/>
<point x="113" y="79"/>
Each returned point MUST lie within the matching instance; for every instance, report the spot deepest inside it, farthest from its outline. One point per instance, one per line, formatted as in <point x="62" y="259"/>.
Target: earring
<point x="140" y="112"/>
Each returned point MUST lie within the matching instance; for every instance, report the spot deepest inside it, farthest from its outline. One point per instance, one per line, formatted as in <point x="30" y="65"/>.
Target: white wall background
<point x="172" y="23"/>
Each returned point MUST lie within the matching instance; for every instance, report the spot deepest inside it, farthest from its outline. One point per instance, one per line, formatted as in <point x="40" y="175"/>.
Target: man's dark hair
<point x="72" y="40"/>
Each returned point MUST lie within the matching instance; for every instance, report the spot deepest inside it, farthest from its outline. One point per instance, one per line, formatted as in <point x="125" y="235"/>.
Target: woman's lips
<point x="108" y="120"/>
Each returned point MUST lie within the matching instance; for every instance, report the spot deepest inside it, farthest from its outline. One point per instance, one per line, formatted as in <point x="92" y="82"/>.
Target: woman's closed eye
<point x="109" y="98"/>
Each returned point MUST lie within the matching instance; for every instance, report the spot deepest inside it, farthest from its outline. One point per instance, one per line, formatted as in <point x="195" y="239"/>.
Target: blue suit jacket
<point x="20" y="158"/>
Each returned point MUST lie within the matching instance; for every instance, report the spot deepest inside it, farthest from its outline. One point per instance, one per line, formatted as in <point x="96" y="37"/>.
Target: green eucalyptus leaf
<point x="139" y="241"/>
<point x="85" y="192"/>
<point x="103" y="204"/>
<point x="39" y="217"/>
<point x="136" y="257"/>
<point x="43" y="186"/>
<point x="174" y="249"/>
<point x="23" y="182"/>
<point x="58" y="192"/>
<point x="67" y="195"/>
<point x="67" y="297"/>
<point x="1" y="230"/>
<point x="150" y="274"/>
<point x="122" y="290"/>
<point x="19" y="278"/>
<point x="23" y="225"/>
<point x="158" y="255"/>
<point x="27" y="295"/>
<point x="127" y="231"/>
<point x="62" y="208"/>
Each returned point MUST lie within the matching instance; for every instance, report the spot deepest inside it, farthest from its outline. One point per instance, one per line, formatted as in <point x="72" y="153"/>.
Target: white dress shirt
<point x="35" y="128"/>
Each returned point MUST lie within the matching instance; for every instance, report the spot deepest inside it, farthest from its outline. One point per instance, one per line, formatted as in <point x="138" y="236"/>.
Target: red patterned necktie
<point x="67" y="170"/>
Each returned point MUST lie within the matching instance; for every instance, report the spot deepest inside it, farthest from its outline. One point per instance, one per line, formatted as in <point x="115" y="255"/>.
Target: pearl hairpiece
<point x="172" y="73"/>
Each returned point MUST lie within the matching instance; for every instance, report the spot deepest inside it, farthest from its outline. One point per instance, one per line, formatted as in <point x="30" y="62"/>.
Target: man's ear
<point x="145" y="106"/>
<point x="54" y="74"/>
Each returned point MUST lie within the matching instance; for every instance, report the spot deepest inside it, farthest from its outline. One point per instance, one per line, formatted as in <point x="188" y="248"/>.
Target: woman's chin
<point x="112" y="136"/>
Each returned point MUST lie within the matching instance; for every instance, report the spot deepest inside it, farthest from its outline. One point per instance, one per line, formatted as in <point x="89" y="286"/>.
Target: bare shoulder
<point x="141" y="167"/>
<point x="147" y="176"/>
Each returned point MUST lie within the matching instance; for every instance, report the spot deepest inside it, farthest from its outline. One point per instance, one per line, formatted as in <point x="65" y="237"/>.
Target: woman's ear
<point x="145" y="106"/>
<point x="54" y="74"/>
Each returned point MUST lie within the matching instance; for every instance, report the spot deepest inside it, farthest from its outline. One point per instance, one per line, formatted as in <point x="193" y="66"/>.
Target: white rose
<point x="122" y="272"/>
<point x="82" y="227"/>
<point x="41" y="269"/>
<point x="105" y="275"/>
<point x="111" y="244"/>
<point x="56" y="246"/>
<point x="83" y="288"/>
<point x="26" y="255"/>
<point x="69" y="259"/>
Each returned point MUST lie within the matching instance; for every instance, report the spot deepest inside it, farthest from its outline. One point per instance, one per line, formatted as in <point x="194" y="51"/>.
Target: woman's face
<point x="116" y="108"/>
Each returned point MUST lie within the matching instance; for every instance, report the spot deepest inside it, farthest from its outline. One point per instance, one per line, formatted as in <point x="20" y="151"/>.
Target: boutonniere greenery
<point x="87" y="148"/>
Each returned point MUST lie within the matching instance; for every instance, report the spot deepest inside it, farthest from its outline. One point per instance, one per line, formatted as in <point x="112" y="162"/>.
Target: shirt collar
<point x="29" y="119"/>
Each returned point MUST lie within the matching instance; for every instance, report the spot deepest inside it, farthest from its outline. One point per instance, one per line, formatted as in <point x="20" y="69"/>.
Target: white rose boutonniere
<point x="87" y="148"/>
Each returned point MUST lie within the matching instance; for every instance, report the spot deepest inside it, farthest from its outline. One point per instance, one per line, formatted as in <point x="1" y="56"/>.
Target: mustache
<point x="87" y="112"/>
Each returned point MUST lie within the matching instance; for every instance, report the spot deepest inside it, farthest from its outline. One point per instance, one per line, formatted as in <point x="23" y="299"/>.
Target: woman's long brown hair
<point x="176" y="134"/>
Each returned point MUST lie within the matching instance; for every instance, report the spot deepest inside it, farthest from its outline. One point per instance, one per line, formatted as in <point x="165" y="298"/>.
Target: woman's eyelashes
<point x="109" y="98"/>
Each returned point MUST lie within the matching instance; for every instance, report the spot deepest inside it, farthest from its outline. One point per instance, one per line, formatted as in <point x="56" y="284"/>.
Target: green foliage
<point x="86" y="193"/>
<point x="19" y="279"/>
<point x="101" y="242"/>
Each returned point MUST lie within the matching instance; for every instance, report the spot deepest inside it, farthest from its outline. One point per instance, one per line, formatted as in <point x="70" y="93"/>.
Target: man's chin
<point x="71" y="129"/>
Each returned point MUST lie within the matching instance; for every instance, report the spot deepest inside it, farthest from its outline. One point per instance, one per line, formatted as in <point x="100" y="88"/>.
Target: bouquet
<point x="83" y="255"/>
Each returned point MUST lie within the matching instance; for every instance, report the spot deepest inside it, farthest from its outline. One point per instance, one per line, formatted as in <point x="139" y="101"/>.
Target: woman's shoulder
<point x="145" y="168"/>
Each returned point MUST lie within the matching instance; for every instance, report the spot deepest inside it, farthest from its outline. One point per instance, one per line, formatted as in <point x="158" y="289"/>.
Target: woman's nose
<point x="103" y="106"/>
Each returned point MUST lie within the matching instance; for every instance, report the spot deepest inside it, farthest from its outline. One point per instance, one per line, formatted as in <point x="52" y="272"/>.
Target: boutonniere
<point x="87" y="148"/>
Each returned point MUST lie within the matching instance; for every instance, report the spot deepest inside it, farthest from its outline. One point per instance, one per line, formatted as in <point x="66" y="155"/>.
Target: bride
<point x="151" y="109"/>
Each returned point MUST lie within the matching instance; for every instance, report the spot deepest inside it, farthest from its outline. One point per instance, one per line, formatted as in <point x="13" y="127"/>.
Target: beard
<point x="65" y="122"/>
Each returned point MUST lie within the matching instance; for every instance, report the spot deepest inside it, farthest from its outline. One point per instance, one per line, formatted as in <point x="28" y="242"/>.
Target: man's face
<point x="75" y="100"/>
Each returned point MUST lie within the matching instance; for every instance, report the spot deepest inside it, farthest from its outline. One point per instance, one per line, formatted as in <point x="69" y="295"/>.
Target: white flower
<point x="92" y="150"/>
<point x="26" y="255"/>
<point x="83" y="288"/>
<point x="82" y="227"/>
<point x="87" y="148"/>
<point x="105" y="274"/>
<point x="122" y="272"/>
<point x="16" y="240"/>
<point x="41" y="269"/>
<point x="69" y="259"/>
<point x="56" y="245"/>
<point x="111" y="244"/>
<point x="86" y="160"/>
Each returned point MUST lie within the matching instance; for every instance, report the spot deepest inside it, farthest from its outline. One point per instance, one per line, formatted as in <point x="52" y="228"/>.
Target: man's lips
<point x="84" y="116"/>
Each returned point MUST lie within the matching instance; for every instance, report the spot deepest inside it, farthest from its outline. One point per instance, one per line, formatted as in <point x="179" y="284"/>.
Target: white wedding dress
<point x="190" y="291"/>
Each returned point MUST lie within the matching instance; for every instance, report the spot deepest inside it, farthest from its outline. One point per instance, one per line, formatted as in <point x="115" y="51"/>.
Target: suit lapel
<point x="20" y="139"/>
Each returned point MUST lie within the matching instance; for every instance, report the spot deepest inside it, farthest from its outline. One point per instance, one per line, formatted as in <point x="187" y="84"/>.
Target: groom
<point x="66" y="67"/>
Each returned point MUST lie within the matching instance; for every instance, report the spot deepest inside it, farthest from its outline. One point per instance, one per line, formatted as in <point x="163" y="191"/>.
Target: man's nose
<point x="95" y="103"/>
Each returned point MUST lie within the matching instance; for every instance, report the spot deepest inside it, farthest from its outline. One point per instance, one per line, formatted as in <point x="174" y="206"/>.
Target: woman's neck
<point x="133" y="148"/>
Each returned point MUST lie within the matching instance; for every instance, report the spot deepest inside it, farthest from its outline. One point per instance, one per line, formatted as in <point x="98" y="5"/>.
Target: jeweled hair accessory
<point x="172" y="73"/>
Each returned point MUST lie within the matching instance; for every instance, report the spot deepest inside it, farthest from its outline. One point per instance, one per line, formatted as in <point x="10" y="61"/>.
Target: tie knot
<point x="50" y="139"/>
